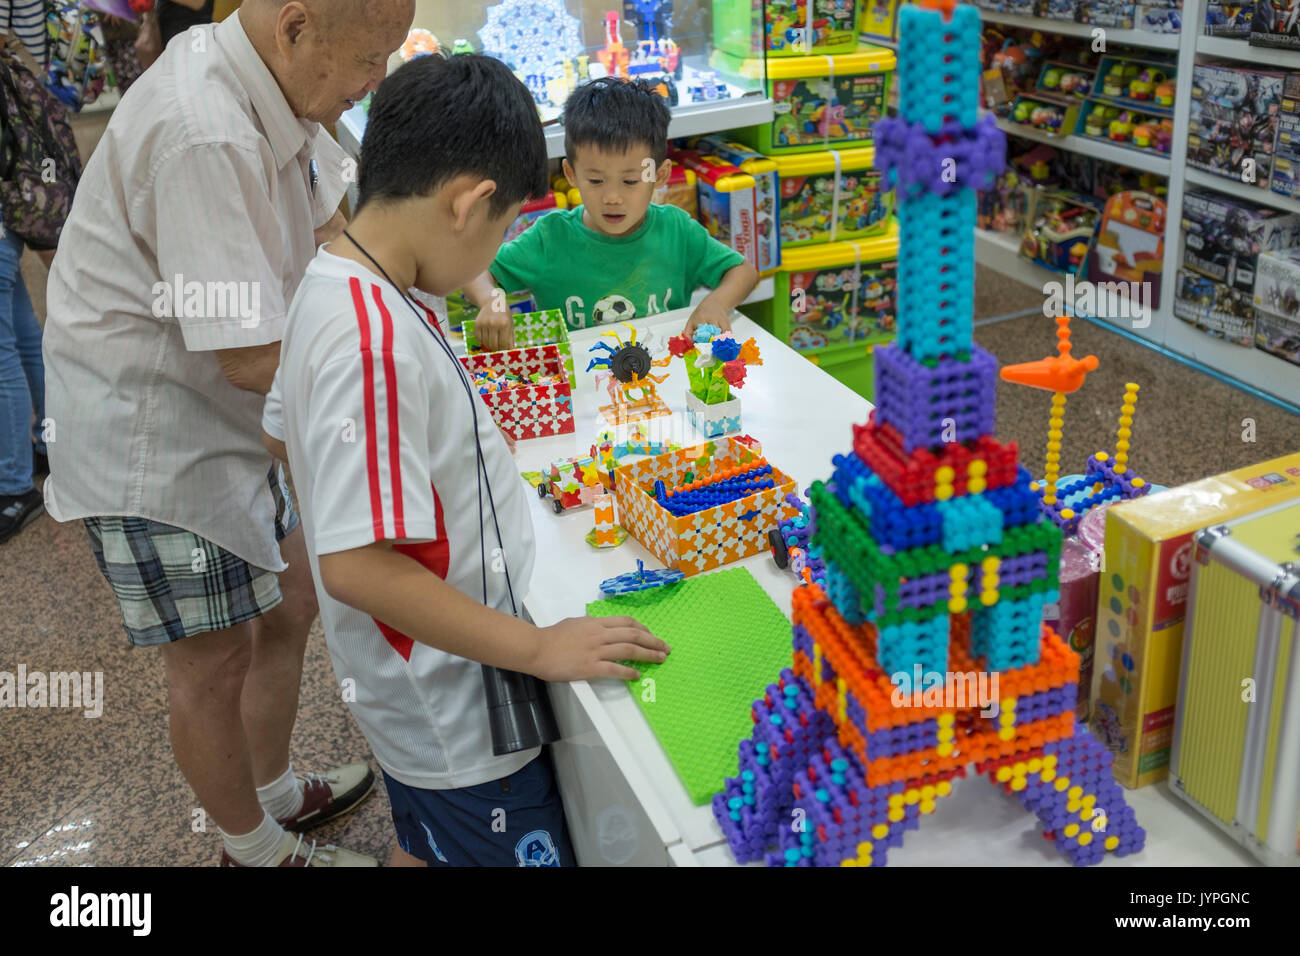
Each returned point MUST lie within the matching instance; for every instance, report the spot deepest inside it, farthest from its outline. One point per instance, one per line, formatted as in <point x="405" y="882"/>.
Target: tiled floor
<point x="105" y="791"/>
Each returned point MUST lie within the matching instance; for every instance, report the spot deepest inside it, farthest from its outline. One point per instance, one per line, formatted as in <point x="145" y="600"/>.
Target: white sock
<point x="261" y="847"/>
<point x="281" y="797"/>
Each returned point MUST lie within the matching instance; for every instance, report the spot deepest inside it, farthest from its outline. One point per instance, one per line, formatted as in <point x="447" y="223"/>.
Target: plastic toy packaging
<point x="1059" y="230"/>
<point x="1276" y="23"/>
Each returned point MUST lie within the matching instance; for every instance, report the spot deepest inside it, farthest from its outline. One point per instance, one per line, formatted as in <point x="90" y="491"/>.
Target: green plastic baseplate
<point x="728" y="642"/>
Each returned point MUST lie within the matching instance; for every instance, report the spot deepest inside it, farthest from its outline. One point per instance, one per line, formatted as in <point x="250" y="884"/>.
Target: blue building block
<point x="971" y="521"/>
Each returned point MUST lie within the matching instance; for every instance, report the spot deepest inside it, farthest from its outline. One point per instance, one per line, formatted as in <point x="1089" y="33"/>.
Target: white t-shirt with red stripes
<point x="381" y="444"/>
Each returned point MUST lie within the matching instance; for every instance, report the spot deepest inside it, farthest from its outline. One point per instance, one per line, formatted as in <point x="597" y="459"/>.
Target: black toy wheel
<point x="557" y="505"/>
<point x="543" y="490"/>
<point x="780" y="554"/>
<point x="631" y="361"/>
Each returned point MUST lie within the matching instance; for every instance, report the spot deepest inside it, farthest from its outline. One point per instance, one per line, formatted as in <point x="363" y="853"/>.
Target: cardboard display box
<point x="1142" y="600"/>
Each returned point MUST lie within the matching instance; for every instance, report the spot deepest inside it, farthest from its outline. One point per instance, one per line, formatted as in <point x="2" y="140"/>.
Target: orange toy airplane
<point x="1056" y="373"/>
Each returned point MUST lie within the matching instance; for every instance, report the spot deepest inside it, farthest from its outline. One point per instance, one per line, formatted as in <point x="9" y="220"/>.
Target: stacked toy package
<point x="925" y="652"/>
<point x="1276" y="23"/>
<point x="1233" y="121"/>
<point x="1223" y="240"/>
<point x="1277" y="304"/>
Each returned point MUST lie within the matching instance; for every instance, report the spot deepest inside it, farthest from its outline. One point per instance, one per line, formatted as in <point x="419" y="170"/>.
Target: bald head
<point x="326" y="54"/>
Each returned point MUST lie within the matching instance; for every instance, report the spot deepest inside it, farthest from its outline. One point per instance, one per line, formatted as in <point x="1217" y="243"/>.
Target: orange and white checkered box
<point x="709" y="538"/>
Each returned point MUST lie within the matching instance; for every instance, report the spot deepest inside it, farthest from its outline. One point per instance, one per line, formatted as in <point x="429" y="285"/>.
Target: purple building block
<point x="922" y="402"/>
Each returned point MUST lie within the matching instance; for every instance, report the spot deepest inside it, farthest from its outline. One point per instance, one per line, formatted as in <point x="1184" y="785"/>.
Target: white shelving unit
<point x="1252" y="369"/>
<point x="1136" y="38"/>
<point x="1119" y="155"/>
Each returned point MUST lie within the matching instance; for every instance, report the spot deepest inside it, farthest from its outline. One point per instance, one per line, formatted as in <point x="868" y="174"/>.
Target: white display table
<point x="624" y="803"/>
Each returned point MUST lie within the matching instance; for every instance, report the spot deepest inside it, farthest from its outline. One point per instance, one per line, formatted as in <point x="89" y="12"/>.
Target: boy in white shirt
<point x="416" y="520"/>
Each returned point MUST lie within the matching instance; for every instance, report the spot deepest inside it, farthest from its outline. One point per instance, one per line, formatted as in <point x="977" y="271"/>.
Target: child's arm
<point x="405" y="595"/>
<point x="493" y="326"/>
<point x="736" y="285"/>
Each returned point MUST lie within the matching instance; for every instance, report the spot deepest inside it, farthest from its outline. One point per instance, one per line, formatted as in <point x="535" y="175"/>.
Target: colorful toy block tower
<point x="925" y="652"/>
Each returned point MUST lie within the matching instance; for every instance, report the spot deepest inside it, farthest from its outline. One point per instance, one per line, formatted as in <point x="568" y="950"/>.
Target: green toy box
<point x="819" y="102"/>
<point x="834" y="302"/>
<point x="830" y="196"/>
<point x="785" y="28"/>
<point x="533" y="330"/>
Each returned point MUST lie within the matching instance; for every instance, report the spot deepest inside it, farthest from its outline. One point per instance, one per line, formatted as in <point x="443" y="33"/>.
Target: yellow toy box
<point x="1142" y="599"/>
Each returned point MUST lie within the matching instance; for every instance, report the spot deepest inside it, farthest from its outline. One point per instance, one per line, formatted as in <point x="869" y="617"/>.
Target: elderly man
<point x="191" y="229"/>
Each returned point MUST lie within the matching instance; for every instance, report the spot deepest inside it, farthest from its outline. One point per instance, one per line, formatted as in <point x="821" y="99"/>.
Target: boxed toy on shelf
<point x="1140" y="611"/>
<point x="833" y="301"/>
<point x="820" y="102"/>
<point x="789" y="27"/>
<point x="729" y="206"/>
<point x="1045" y="112"/>
<point x="764" y="173"/>
<point x="1277" y="304"/>
<point x="1229" y="19"/>
<point x="1058" y="229"/>
<point x="1144" y="84"/>
<point x="1233" y="121"/>
<point x="1215" y="308"/>
<point x="1157" y="18"/>
<point x="1224" y="236"/>
<point x="877" y="19"/>
<point x="1129" y="128"/>
<point x="1116" y="14"/>
<point x="831" y="196"/>
<point x="1130" y="249"/>
<point x="1285" y="180"/>
<point x="1275" y="24"/>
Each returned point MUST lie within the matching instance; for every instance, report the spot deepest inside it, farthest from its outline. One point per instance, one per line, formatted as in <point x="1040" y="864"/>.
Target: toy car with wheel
<point x="573" y="482"/>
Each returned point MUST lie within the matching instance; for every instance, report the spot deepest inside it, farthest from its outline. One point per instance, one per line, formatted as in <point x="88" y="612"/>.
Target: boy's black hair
<point x="615" y="114"/>
<point x="436" y="118"/>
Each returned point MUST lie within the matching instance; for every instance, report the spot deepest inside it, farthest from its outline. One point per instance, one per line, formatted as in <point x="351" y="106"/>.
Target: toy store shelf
<point x="1000" y="251"/>
<point x="1118" y="155"/>
<point x="1138" y="38"/>
<point x="693" y="120"/>
<point x="1264" y="197"/>
<point x="1234" y="49"/>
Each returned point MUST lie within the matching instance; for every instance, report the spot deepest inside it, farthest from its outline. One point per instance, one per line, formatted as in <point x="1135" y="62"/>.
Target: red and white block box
<point x="528" y="411"/>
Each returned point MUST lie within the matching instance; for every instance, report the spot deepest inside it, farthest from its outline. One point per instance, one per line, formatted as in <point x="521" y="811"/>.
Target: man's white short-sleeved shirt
<point x="190" y="230"/>
<point x="381" y="434"/>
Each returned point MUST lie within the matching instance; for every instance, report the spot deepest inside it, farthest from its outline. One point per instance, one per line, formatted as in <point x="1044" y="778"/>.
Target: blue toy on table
<point x="640" y="580"/>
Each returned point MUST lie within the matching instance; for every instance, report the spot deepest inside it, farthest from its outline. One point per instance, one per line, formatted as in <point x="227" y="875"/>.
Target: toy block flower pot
<point x="527" y="410"/>
<point x="713" y="536"/>
<point x="716" y="420"/>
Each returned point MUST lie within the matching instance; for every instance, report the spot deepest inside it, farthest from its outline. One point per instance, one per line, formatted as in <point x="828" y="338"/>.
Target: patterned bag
<point x="39" y="162"/>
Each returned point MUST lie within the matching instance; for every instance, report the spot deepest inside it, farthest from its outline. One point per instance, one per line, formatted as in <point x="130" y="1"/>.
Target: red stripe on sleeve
<point x="368" y="389"/>
<point x="394" y="436"/>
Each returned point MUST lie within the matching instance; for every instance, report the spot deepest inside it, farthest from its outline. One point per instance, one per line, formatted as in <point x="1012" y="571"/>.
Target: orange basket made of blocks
<point x="528" y="411"/>
<point x="705" y="539"/>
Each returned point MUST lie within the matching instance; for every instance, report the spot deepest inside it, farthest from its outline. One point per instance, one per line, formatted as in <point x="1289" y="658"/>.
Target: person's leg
<point x="270" y="698"/>
<point x="15" y="394"/>
<point x="270" y="693"/>
<point x="205" y="677"/>
<point x="27" y="333"/>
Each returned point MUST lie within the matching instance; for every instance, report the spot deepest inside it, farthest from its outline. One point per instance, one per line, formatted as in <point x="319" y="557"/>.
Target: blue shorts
<point x="515" y="821"/>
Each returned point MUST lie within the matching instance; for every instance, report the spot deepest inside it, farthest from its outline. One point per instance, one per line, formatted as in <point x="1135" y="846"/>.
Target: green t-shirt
<point x="596" y="279"/>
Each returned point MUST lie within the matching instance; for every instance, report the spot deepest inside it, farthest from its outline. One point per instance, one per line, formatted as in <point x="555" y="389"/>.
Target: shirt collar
<point x="287" y="133"/>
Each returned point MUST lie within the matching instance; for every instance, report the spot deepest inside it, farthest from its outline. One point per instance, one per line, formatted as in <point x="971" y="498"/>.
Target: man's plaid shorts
<point x="170" y="583"/>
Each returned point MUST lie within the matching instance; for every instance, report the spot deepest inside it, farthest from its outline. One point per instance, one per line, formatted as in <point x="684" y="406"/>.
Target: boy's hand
<point x="580" y="648"/>
<point x="495" y="329"/>
<point x="708" y="313"/>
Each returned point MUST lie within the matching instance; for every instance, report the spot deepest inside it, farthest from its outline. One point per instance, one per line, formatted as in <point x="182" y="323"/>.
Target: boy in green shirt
<point x="617" y="256"/>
